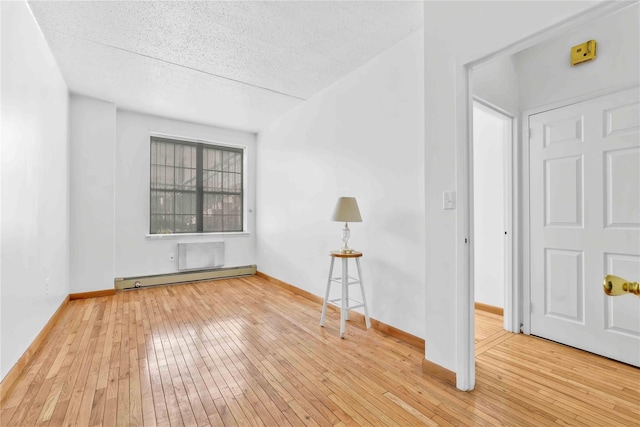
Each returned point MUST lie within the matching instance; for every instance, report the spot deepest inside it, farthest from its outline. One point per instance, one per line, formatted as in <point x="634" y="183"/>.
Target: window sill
<point x="203" y="235"/>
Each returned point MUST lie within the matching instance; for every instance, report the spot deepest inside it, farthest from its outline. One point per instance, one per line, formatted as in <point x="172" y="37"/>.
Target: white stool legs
<point x="364" y="298"/>
<point x="326" y="294"/>
<point x="345" y="301"/>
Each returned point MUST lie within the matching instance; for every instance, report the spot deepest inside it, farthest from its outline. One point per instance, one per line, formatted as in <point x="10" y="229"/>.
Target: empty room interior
<point x="343" y="213"/>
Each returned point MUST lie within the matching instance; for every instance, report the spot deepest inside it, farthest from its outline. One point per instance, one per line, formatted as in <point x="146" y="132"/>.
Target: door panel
<point x="622" y="189"/>
<point x="563" y="131"/>
<point x="585" y="223"/>
<point x="621" y="119"/>
<point x="563" y="192"/>
<point x="564" y="285"/>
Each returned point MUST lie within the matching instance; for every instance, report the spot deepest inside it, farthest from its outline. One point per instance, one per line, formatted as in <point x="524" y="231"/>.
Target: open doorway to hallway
<point x="492" y="142"/>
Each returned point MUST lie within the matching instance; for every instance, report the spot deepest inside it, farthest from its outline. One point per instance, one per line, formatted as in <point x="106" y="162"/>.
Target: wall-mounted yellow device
<point x="583" y="52"/>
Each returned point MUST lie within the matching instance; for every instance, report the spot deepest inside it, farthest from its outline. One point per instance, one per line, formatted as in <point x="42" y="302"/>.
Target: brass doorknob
<point x="614" y="286"/>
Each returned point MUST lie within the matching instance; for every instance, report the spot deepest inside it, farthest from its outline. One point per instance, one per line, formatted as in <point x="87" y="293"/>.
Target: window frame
<point x="198" y="144"/>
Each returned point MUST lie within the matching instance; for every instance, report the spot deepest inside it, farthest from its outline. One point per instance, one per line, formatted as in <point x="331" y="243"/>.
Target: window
<point x="195" y="187"/>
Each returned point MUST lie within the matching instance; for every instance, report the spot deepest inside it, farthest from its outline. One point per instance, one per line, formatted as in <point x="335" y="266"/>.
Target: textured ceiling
<point x="238" y="64"/>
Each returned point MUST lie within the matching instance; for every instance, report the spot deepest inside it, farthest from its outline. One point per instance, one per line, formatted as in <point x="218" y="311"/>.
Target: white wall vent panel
<point x="199" y="256"/>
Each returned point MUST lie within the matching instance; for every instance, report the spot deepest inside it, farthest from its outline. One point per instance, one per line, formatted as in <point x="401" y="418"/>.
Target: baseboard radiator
<point x="184" y="277"/>
<point x="196" y="262"/>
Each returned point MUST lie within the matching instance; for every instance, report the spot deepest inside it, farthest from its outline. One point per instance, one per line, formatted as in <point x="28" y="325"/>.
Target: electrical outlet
<point x="172" y="257"/>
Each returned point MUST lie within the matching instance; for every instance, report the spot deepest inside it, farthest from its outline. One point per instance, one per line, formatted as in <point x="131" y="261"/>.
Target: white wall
<point x="457" y="33"/>
<point x="35" y="195"/>
<point x="362" y="137"/>
<point x="137" y="254"/>
<point x="92" y="169"/>
<point x="497" y="82"/>
<point x="548" y="77"/>
<point x="489" y="132"/>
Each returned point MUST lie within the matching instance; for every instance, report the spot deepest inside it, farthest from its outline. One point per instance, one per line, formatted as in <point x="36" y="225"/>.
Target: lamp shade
<point x="346" y="210"/>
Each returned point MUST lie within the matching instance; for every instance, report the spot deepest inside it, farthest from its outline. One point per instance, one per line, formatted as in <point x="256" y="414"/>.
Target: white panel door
<point x="585" y="223"/>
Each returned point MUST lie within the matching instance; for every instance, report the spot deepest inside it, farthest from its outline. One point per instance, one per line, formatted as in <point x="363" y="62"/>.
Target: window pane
<point x="212" y="204"/>
<point x="233" y="205"/>
<point x="155" y="202"/>
<point x="232" y="223"/>
<point x="185" y="179"/>
<point x="169" y="177"/>
<point x="212" y="223"/>
<point x="238" y="163"/>
<point x="162" y="202"/>
<point x="217" y="181"/>
<point x="154" y="175"/>
<point x="161" y="224"/>
<point x="237" y="184"/>
<point x="226" y="159"/>
<point x="231" y="182"/>
<point x="168" y="203"/>
<point x="155" y="224"/>
<point x="218" y="161"/>
<point x="162" y="153"/>
<point x="225" y="182"/>
<point x="186" y="156"/>
<point x="186" y="224"/>
<point x="162" y="177"/>
<point x="186" y="203"/>
<point x="207" y="180"/>
<point x="212" y="159"/>
<point x="208" y="159"/>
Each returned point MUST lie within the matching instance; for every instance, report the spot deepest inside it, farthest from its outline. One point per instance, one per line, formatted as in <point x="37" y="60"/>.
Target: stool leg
<point x="326" y="294"/>
<point x="343" y="307"/>
<point x="345" y="280"/>
<point x="364" y="299"/>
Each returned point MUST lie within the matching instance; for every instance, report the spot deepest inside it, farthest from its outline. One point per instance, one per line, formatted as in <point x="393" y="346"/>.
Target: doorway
<point x="551" y="97"/>
<point x="491" y="152"/>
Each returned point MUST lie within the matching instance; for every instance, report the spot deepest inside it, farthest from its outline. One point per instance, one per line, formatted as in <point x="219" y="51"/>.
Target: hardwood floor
<point x="245" y="352"/>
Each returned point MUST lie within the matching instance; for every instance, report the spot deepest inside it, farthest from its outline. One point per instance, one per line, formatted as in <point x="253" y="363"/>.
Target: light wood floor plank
<point x="244" y="352"/>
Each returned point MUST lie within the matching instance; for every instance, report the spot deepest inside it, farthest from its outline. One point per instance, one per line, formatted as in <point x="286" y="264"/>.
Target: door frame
<point x="510" y="294"/>
<point x="465" y="321"/>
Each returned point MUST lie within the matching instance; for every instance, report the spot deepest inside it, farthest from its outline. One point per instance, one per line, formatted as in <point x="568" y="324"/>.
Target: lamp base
<point x="346" y="233"/>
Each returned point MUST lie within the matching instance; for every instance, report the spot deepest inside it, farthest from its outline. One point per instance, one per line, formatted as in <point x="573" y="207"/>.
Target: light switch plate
<point x="449" y="200"/>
